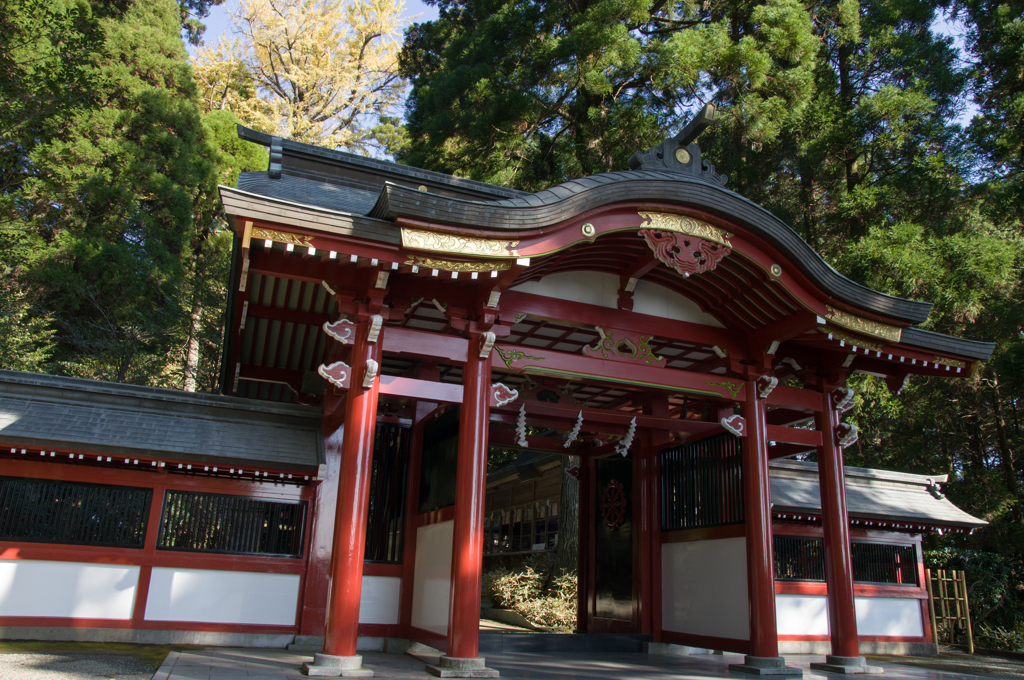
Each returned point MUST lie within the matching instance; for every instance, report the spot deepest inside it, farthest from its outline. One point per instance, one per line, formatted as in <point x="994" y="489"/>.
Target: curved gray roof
<point x="551" y="206"/>
<point x="375" y="192"/>
<point x="49" y="411"/>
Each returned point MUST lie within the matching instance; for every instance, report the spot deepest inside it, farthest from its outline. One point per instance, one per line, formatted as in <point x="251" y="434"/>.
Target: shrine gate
<point x="674" y="335"/>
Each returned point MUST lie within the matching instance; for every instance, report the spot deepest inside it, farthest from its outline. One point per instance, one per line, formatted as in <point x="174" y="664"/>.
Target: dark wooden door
<point x="613" y="593"/>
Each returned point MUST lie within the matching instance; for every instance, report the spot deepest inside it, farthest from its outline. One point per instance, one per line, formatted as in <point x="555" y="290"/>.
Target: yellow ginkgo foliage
<point x="323" y="72"/>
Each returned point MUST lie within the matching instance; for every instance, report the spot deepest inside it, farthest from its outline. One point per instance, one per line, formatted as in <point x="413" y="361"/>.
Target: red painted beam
<point x="426" y="345"/>
<point x="426" y="390"/>
<point x="787" y="450"/>
<point x="506" y="438"/>
<point x="796" y="397"/>
<point x="533" y="361"/>
<point x="791" y="435"/>
<point x="515" y="302"/>
<point x="786" y="416"/>
<point x="594" y="419"/>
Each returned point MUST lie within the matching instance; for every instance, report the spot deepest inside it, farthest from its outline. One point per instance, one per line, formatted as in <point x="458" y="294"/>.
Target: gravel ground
<point x="82" y="661"/>
<point x="73" y="667"/>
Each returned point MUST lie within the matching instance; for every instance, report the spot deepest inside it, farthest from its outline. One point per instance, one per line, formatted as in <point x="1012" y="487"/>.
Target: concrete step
<point x="307" y="643"/>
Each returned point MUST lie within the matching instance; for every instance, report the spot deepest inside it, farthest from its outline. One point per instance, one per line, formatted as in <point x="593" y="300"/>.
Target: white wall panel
<point x="889" y="616"/>
<point x="801" y="614"/>
<point x="650" y="298"/>
<point x="592" y="288"/>
<point x="704" y="588"/>
<point x="599" y="288"/>
<point x="432" y="580"/>
<point x="380" y="599"/>
<point x="885" y="616"/>
<point x="210" y="596"/>
<point x="67" y="589"/>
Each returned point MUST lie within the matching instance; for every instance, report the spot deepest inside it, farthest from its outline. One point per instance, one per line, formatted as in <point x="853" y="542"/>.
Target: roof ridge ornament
<point x="681" y="154"/>
<point x="276" y="158"/>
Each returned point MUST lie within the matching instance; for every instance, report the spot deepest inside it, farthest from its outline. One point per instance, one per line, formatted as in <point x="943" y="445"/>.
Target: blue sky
<point x="219" y="20"/>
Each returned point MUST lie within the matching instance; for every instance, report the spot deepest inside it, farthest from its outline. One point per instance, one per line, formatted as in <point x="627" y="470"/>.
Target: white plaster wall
<point x="432" y="580"/>
<point x="599" y="288"/>
<point x="380" y="599"/>
<point x="211" y="596"/>
<point x="801" y="614"/>
<point x="886" y="616"/>
<point x="67" y="589"/>
<point x="704" y="588"/>
<point x="650" y="298"/>
<point x="889" y="616"/>
<point x="592" y="288"/>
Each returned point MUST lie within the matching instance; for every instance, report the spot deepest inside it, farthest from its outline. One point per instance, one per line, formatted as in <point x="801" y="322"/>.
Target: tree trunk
<point x="192" y="350"/>
<point x="1005" y="452"/>
<point x="568" y="520"/>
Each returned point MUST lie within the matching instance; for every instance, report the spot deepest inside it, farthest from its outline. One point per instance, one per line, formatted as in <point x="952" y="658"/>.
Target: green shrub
<point x="534" y="593"/>
<point x="994" y="637"/>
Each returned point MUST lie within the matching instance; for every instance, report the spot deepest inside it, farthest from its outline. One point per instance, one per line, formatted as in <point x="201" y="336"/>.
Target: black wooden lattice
<point x="702" y="484"/>
<point x="203" y="522"/>
<point x="45" y="511"/>
<point x="803" y="559"/>
<point x="386" y="518"/>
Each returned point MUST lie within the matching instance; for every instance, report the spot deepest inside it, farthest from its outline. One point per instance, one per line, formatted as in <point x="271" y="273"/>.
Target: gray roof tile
<point x="51" y="411"/>
<point x="870" y="494"/>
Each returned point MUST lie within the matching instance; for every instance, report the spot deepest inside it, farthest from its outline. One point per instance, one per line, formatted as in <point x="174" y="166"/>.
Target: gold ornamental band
<point x="865" y="326"/>
<point x="259" y="233"/>
<point x="449" y="266"/>
<point x="417" y="239"/>
<point x="686" y="225"/>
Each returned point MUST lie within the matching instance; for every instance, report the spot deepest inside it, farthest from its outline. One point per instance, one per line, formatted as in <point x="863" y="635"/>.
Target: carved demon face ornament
<point x="684" y="253"/>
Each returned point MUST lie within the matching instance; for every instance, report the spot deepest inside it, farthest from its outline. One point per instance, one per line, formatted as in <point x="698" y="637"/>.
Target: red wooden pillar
<point x="842" y="608"/>
<point x="463" y="658"/>
<point x="763" y="658"/>
<point x="339" y="657"/>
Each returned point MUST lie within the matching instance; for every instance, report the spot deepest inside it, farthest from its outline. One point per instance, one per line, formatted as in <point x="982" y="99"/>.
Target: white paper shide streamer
<point x="627" y="442"/>
<point x="575" y="431"/>
<point x="521" y="426"/>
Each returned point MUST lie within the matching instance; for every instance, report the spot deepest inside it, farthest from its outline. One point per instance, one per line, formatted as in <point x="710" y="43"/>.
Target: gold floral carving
<point x="626" y="347"/>
<point x="731" y="386"/>
<point x="686" y="225"/>
<point x="851" y="339"/>
<point x="461" y="245"/>
<point x="952" y="363"/>
<point x="865" y="326"/>
<point x="449" y="266"/>
<point x="510" y="356"/>
<point x="282" y="237"/>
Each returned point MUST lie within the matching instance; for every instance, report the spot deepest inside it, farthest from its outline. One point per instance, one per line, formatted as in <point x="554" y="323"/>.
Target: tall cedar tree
<point x="119" y="195"/>
<point x="527" y="94"/>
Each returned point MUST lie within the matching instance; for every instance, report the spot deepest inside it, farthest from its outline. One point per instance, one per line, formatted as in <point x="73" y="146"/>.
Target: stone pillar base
<point x="451" y="667"/>
<point x="327" y="666"/>
<point x="764" y="665"/>
<point x="846" y="664"/>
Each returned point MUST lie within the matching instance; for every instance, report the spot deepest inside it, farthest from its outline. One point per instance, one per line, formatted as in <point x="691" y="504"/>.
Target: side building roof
<point x="46" y="411"/>
<point x="870" y="495"/>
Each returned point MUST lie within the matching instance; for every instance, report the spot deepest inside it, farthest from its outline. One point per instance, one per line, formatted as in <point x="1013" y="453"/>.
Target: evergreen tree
<point x="528" y="94"/>
<point x="115" y="197"/>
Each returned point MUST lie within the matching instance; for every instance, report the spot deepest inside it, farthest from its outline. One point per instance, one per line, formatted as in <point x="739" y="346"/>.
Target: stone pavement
<point x="263" y="664"/>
